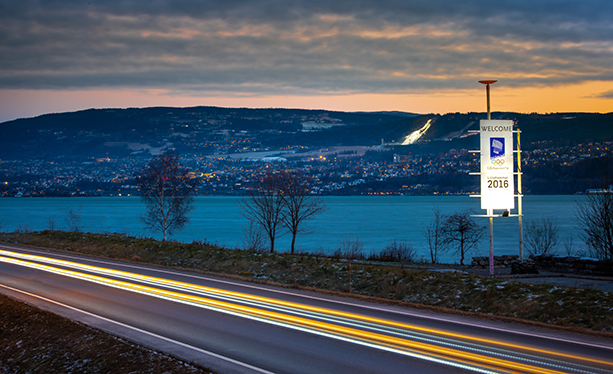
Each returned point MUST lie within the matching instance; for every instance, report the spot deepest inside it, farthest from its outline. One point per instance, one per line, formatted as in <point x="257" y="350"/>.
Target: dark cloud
<point x="302" y="47"/>
<point x="605" y="95"/>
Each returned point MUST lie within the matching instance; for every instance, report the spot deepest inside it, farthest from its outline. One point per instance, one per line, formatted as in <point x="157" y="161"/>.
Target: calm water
<point x="375" y="221"/>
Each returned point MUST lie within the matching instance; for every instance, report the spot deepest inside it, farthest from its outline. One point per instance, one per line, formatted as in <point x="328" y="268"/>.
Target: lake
<point x="374" y="221"/>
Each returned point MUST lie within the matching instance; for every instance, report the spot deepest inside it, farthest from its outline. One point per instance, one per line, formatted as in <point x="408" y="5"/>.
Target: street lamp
<point x="487" y="90"/>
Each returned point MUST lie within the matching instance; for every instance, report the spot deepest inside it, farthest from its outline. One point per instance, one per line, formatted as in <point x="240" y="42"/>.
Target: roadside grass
<point x="36" y="341"/>
<point x="401" y="282"/>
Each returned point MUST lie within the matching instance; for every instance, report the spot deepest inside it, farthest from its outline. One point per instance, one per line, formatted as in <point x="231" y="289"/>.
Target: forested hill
<point x="115" y="132"/>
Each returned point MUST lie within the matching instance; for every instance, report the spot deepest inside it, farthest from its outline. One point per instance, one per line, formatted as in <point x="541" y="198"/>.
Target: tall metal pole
<point x="490" y="212"/>
<point x="519" y="199"/>
<point x="487" y="91"/>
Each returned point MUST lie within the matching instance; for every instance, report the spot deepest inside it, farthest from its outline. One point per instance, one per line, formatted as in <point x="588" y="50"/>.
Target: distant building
<point x="601" y="190"/>
<point x="274" y="159"/>
<point x="318" y="126"/>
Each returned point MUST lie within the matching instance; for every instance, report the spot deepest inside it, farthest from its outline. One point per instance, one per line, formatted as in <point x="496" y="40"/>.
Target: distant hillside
<point x="394" y="113"/>
<point x="213" y="130"/>
<point x="120" y="132"/>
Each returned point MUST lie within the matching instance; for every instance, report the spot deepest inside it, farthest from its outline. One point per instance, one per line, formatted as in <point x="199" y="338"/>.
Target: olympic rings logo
<point x="498" y="161"/>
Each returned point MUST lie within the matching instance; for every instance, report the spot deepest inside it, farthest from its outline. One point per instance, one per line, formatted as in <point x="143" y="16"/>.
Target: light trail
<point x="468" y="352"/>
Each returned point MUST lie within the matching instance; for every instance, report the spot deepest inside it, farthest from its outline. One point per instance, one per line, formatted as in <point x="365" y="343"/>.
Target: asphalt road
<point x="240" y="327"/>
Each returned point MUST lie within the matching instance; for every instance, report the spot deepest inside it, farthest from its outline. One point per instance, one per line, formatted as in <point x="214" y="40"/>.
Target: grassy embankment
<point x="581" y="309"/>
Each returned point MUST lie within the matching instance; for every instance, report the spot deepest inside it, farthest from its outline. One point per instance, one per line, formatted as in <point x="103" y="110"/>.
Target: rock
<point x="525" y="267"/>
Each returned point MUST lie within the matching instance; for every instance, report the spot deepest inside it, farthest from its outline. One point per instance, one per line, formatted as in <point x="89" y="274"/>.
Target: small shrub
<point x="542" y="236"/>
<point x="51" y="226"/>
<point x="25" y="229"/>
<point x="254" y="238"/>
<point x="395" y="252"/>
<point x="351" y="249"/>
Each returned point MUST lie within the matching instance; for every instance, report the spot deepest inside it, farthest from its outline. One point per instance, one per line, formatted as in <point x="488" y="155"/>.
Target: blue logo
<point x="496" y="147"/>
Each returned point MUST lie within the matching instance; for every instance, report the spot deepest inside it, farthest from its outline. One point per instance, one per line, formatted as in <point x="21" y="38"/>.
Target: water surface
<point x="374" y="221"/>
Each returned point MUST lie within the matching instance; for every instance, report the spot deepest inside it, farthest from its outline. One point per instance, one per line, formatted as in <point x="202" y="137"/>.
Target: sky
<point x="420" y="56"/>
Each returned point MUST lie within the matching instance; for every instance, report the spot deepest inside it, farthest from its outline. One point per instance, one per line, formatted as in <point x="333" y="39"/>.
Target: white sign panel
<point x="497" y="180"/>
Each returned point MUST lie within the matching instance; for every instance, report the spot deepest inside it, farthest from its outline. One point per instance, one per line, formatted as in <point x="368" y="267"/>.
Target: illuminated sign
<point x="497" y="180"/>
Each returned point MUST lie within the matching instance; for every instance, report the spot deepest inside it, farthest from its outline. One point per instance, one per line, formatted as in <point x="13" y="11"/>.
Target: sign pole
<point x="519" y="200"/>
<point x="497" y="172"/>
<point x="490" y="212"/>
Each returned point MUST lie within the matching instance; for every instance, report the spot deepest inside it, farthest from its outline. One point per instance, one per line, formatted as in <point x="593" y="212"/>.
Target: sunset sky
<point x="351" y="55"/>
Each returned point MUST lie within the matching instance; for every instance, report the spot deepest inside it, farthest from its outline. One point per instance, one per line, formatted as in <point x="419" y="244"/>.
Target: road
<point x="240" y="327"/>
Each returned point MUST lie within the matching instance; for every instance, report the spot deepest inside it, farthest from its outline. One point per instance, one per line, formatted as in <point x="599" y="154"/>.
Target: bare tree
<point x="168" y="193"/>
<point x="433" y="233"/>
<point x="594" y="217"/>
<point x="460" y="229"/>
<point x="569" y="246"/>
<point x="281" y="200"/>
<point x="542" y="236"/>
<point x="254" y="238"/>
<point x="300" y="204"/>
<point x="51" y="223"/>
<point x="73" y="219"/>
<point x="265" y="206"/>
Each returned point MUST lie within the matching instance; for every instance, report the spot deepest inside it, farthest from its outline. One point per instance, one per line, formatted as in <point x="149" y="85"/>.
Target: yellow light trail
<point x="305" y="322"/>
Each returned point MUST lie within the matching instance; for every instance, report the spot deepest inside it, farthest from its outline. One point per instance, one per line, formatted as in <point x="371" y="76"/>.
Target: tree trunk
<point x="293" y="242"/>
